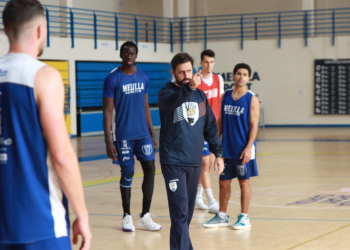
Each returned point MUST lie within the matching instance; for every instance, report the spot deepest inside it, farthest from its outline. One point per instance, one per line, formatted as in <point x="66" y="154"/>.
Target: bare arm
<point x="219" y="121"/>
<point x="253" y="129"/>
<point x="49" y="95"/>
<point x="149" y="123"/>
<point x="108" y="104"/>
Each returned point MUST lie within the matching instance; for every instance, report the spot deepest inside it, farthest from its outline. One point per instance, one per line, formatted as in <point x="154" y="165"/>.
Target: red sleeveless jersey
<point x="213" y="94"/>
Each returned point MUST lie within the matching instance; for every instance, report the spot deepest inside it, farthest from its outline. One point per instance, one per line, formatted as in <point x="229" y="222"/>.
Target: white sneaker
<point x="147" y="222"/>
<point x="214" y="207"/>
<point x="127" y="224"/>
<point x="200" y="203"/>
<point x="242" y="222"/>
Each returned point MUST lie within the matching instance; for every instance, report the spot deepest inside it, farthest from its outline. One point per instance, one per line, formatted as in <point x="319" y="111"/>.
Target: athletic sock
<point x="200" y="190"/>
<point x="244" y="214"/>
<point x="126" y="208"/>
<point x="222" y="215"/>
<point x="146" y="204"/>
<point x="209" y="193"/>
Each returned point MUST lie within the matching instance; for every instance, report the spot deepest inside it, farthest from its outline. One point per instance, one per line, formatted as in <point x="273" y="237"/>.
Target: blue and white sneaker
<point x="242" y="222"/>
<point x="128" y="224"/>
<point x="217" y="221"/>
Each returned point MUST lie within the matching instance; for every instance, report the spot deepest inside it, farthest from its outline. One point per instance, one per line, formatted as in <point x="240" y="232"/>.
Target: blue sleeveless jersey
<point x="235" y="124"/>
<point x="128" y="92"/>
<point x="32" y="205"/>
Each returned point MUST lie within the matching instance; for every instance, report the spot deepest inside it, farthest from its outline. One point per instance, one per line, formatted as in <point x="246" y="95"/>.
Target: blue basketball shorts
<point x="235" y="169"/>
<point x="127" y="149"/>
<point x="52" y="244"/>
<point x="205" y="149"/>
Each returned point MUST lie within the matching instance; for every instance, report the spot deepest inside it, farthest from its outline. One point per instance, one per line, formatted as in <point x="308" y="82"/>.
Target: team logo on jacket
<point x="173" y="186"/>
<point x="190" y="112"/>
<point x="242" y="169"/>
<point x="147" y="149"/>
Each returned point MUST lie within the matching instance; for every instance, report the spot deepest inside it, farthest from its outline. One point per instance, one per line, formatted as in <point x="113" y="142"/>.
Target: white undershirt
<point x="209" y="81"/>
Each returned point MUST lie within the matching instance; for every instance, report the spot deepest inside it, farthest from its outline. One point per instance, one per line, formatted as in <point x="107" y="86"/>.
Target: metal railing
<point x="83" y="23"/>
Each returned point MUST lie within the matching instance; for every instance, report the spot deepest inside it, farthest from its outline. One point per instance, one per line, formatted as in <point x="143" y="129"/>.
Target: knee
<point x="224" y="185"/>
<point x="205" y="167"/>
<point x="244" y="184"/>
<point x="127" y="175"/>
<point x="211" y="162"/>
<point x="148" y="168"/>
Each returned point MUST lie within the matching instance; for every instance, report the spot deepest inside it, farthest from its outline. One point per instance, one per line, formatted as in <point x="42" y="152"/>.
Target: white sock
<point x="244" y="214"/>
<point x="209" y="193"/>
<point x="200" y="190"/>
<point x="222" y="215"/>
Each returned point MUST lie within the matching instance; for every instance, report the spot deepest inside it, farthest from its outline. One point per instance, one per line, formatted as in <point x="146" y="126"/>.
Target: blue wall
<point x="90" y="78"/>
<point x="91" y="122"/>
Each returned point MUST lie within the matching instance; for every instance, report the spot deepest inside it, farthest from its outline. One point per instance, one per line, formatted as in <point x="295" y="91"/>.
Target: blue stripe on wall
<point x="90" y="78"/>
<point x="92" y="122"/>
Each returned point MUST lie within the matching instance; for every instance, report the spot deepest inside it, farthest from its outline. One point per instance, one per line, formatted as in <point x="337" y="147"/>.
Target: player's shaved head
<point x="128" y="43"/>
<point x="18" y="14"/>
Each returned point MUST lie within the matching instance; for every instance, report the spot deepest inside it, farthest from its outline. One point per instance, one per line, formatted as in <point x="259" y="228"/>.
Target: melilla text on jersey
<point x="133" y="88"/>
<point x="233" y="110"/>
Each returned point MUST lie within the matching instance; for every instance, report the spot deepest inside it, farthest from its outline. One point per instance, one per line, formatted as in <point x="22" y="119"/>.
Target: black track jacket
<point x="186" y="120"/>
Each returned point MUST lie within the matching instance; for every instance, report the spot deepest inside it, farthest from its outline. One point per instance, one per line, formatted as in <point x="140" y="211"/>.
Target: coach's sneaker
<point x="147" y="222"/>
<point x="200" y="203"/>
<point x="217" y="221"/>
<point x="214" y="207"/>
<point x="127" y="224"/>
<point x="242" y="222"/>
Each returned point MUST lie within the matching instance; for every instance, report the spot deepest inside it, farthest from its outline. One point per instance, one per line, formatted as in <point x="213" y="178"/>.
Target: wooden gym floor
<point x="300" y="200"/>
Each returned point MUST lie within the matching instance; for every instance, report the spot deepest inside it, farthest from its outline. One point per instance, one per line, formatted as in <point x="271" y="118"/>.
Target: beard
<point x="180" y="83"/>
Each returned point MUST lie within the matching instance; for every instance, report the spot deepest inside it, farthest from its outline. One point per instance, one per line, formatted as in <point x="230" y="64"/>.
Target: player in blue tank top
<point x="33" y="204"/>
<point x="126" y="92"/>
<point x="238" y="125"/>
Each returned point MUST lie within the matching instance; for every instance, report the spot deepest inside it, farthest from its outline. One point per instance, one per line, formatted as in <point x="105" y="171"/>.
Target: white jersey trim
<point x="209" y="82"/>
<point x="251" y="92"/>
<point x="114" y="70"/>
<point x="252" y="157"/>
<point x="20" y="69"/>
<point x="114" y="136"/>
<point x="57" y="209"/>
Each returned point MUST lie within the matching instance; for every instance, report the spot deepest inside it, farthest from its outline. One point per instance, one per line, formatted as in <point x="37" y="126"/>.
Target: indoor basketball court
<point x="300" y="200"/>
<point x="298" y="54"/>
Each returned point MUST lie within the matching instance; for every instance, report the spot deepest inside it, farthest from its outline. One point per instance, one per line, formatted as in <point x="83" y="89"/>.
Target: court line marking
<point x="303" y="176"/>
<point x="105" y="157"/>
<point x="322" y="208"/>
<point x="308" y="185"/>
<point x="206" y="217"/>
<point x="96" y="157"/>
<point x="318" y="237"/>
<point x="303" y="140"/>
<point x="138" y="175"/>
<point x="308" y="162"/>
<point x="112" y="179"/>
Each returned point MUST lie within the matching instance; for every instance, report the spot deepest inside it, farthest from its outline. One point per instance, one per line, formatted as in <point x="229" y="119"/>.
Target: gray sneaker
<point x="217" y="221"/>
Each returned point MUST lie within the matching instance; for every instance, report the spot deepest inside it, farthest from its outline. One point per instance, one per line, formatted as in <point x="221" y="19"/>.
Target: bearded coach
<point x="186" y="121"/>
